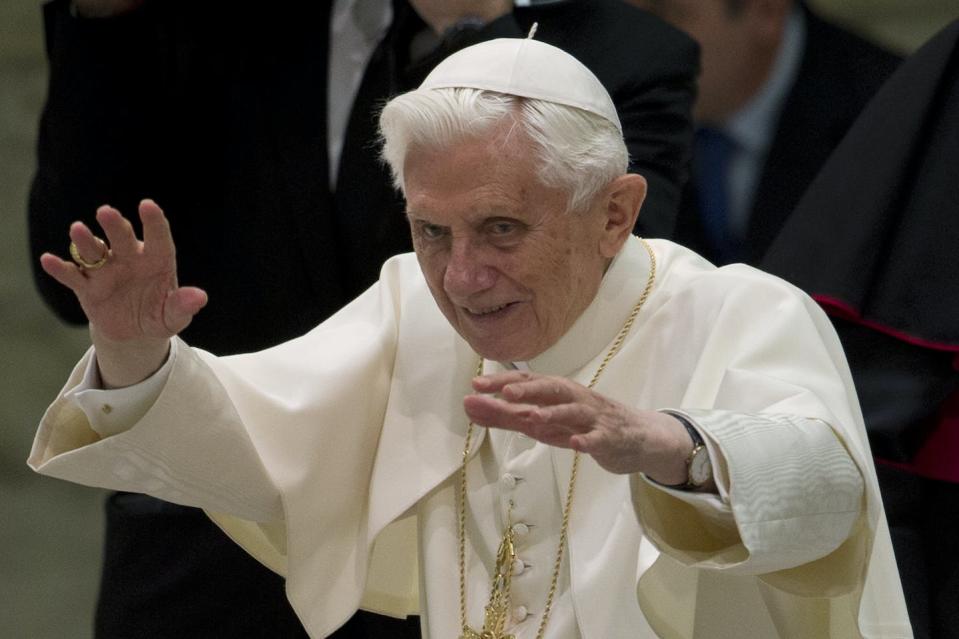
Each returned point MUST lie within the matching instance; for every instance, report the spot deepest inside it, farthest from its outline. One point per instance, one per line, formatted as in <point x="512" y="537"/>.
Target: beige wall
<point x="900" y="24"/>
<point x="50" y="531"/>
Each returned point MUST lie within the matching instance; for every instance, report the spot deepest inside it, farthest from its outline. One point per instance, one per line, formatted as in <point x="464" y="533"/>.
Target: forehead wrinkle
<point x="502" y="186"/>
<point x="492" y="197"/>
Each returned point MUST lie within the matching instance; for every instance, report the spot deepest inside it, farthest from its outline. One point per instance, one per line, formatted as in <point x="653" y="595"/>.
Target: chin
<point x="502" y="352"/>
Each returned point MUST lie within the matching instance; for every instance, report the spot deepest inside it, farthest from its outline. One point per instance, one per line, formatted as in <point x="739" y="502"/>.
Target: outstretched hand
<point x="560" y="412"/>
<point x="133" y="301"/>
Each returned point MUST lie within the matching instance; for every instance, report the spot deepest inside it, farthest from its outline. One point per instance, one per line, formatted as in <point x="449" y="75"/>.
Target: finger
<point x="543" y="391"/>
<point x="492" y="412"/>
<point x="589" y="442"/>
<point x="91" y="248"/>
<point x="181" y="306"/>
<point x="119" y="231"/>
<point x="493" y="382"/>
<point x="487" y="410"/>
<point x="157" y="239"/>
<point x="67" y="273"/>
<point x="575" y="417"/>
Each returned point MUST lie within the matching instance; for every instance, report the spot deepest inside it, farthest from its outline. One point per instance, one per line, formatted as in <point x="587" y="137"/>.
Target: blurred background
<point x="50" y="531"/>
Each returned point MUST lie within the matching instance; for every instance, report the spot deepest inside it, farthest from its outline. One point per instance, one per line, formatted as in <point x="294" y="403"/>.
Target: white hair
<point x="578" y="151"/>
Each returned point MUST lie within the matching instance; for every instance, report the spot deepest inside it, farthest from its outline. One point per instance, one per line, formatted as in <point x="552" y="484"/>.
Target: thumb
<point x="181" y="305"/>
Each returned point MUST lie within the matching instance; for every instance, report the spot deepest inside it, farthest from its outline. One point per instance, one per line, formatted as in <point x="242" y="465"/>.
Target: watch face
<point x="700" y="468"/>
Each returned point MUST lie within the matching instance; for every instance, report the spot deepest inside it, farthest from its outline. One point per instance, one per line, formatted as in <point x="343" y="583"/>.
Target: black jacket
<point x="838" y="75"/>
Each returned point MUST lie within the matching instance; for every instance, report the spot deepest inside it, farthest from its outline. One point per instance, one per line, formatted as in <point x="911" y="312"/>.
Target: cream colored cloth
<point x="315" y="446"/>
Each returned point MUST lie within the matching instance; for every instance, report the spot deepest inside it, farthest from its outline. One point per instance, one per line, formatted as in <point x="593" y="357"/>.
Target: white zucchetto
<point x="526" y="68"/>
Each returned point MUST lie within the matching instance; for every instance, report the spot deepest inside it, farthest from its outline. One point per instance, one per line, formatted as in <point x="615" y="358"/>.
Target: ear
<point x="622" y="200"/>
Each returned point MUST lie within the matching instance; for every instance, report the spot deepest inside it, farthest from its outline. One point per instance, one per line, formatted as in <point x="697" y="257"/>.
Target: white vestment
<point x="305" y="452"/>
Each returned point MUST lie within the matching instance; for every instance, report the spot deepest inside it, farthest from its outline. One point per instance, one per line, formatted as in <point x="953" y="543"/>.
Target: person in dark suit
<point x="222" y="113"/>
<point x="780" y="87"/>
<point x="885" y="272"/>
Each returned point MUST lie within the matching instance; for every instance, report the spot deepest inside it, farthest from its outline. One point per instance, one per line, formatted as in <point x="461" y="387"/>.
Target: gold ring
<point x="89" y="266"/>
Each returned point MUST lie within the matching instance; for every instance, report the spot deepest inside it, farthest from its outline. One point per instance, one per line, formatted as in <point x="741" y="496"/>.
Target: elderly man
<point x="554" y="500"/>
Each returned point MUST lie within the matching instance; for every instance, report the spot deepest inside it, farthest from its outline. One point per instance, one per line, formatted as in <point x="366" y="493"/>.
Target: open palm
<point x="133" y="303"/>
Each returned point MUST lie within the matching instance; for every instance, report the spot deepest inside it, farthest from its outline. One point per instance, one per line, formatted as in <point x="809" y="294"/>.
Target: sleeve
<point x="190" y="447"/>
<point x="237" y="434"/>
<point x="770" y="389"/>
<point x="114" y="411"/>
<point x="795" y="495"/>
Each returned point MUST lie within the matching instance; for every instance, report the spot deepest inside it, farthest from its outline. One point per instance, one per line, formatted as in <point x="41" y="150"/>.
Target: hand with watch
<point x="699" y="466"/>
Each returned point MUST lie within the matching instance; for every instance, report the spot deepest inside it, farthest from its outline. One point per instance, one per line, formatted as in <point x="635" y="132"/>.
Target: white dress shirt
<point x="753" y="127"/>
<point x="356" y="28"/>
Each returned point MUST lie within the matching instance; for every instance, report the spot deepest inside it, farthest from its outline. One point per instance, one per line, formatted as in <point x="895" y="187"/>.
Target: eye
<point x="502" y="228"/>
<point x="431" y="231"/>
<point x="504" y="232"/>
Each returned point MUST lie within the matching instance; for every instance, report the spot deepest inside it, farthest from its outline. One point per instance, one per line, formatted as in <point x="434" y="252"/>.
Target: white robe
<point x="312" y="448"/>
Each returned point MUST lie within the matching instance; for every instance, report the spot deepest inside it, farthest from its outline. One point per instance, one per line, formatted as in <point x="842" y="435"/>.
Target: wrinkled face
<point x="508" y="266"/>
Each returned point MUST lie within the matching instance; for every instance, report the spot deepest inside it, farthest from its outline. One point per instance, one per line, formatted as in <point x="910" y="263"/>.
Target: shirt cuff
<point x="114" y="411"/>
<point x="709" y="504"/>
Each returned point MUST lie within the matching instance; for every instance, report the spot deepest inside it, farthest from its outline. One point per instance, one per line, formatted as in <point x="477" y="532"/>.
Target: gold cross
<point x="497" y="610"/>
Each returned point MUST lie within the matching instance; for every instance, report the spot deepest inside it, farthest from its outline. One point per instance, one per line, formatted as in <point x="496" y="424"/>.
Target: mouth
<point x="487" y="310"/>
<point x="488" y="313"/>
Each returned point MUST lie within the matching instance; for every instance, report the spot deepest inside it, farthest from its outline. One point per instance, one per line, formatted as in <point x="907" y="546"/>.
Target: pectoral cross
<point x="497" y="610"/>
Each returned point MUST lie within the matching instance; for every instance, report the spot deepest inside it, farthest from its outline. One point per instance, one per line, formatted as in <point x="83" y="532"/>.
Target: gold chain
<point x="498" y="606"/>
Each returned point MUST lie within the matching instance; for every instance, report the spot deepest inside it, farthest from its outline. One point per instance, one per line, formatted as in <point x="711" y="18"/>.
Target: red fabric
<point x="839" y="308"/>
<point x="939" y="456"/>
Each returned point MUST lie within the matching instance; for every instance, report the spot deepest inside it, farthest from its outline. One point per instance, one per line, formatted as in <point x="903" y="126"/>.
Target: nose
<point x="468" y="270"/>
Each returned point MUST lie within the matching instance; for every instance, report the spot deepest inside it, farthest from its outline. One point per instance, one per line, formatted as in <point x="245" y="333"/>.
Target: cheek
<point x="430" y="261"/>
<point x="447" y="308"/>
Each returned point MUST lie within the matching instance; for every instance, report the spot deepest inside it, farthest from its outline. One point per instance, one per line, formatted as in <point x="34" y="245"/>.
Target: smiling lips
<point x="489" y="310"/>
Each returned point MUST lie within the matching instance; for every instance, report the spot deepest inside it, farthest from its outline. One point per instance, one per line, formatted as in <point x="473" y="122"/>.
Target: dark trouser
<point x="922" y="514"/>
<point x="170" y="572"/>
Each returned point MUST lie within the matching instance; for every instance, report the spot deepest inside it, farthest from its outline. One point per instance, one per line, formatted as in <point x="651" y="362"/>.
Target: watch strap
<point x="698" y="444"/>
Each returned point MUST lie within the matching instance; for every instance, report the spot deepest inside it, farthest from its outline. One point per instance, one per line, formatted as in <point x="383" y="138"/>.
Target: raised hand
<point x="132" y="300"/>
<point x="560" y="412"/>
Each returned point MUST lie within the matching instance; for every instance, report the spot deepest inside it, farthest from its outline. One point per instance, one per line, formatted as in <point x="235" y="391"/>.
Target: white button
<point x="519" y="566"/>
<point x="520" y="613"/>
<point x="508" y="481"/>
<point x="520" y="529"/>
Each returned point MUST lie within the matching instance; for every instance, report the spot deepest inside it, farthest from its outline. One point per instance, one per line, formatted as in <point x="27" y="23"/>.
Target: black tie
<point x="711" y="162"/>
